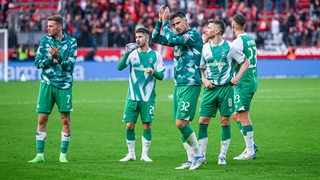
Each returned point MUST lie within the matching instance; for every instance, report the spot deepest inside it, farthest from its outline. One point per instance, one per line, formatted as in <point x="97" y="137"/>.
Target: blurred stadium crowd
<point x="111" y="23"/>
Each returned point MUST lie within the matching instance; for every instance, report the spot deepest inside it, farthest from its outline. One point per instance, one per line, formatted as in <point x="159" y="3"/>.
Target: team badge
<point x="186" y="36"/>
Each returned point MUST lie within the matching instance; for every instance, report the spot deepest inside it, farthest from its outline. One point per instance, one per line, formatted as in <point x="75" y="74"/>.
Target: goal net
<point x="4" y="55"/>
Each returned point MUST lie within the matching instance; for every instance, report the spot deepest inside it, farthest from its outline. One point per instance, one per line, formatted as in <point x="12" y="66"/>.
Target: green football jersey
<point x="142" y="87"/>
<point x="57" y="74"/>
<point x="219" y="62"/>
<point x="187" y="52"/>
<point x="249" y="80"/>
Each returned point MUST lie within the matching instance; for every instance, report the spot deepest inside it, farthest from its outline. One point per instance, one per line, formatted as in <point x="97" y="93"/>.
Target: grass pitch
<point x="285" y="115"/>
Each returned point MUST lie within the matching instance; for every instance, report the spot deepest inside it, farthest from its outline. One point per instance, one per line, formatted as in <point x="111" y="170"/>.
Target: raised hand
<point x="166" y="14"/>
<point x="161" y="11"/>
<point x="55" y="52"/>
<point x="130" y="47"/>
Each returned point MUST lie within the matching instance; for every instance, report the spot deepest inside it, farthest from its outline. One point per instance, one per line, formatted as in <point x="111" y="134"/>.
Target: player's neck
<point x="58" y="36"/>
<point x="237" y="33"/>
<point x="216" y="41"/>
<point x="187" y="29"/>
<point x="144" y="48"/>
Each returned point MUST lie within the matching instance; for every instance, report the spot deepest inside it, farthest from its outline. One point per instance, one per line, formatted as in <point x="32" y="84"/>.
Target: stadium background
<point x="287" y="32"/>
<point x="285" y="114"/>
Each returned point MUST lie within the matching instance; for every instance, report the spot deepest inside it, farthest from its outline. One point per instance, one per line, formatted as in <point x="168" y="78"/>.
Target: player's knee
<point x="130" y="125"/>
<point x="43" y="119"/>
<point x="180" y="123"/>
<point x="66" y="122"/>
<point x="204" y="120"/>
<point x="225" y="121"/>
<point x="235" y="117"/>
<point x="65" y="119"/>
<point x="146" y="125"/>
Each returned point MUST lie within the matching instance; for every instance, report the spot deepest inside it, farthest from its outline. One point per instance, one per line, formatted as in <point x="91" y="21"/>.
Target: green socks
<point x="203" y="131"/>
<point x="226" y="132"/>
<point x="130" y="134"/>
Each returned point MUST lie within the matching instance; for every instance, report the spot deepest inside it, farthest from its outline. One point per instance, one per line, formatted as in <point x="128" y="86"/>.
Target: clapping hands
<point x="164" y="13"/>
<point x="55" y="52"/>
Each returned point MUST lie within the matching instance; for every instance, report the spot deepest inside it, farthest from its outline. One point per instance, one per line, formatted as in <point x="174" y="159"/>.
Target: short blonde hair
<point x="220" y="23"/>
<point x="57" y="18"/>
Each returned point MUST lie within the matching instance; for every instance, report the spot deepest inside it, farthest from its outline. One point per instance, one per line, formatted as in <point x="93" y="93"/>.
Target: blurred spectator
<point x="69" y="24"/>
<point x="4" y="7"/>
<point x="101" y="22"/>
<point x="14" y="55"/>
<point x="292" y="5"/>
<point x="12" y="39"/>
<point x="112" y="34"/>
<point x="291" y="37"/>
<point x="77" y="23"/>
<point x="302" y="16"/>
<point x="299" y="33"/>
<point x="233" y="9"/>
<point x="23" y="53"/>
<point x="90" y="55"/>
<point x="220" y="3"/>
<point x="243" y="9"/>
<point x="32" y="53"/>
<point x="262" y="32"/>
<point x="275" y="28"/>
<point x="254" y="15"/>
<point x="315" y="9"/>
<point x="122" y="37"/>
<point x="76" y="8"/>
<point x="269" y="5"/>
<point x="310" y="34"/>
<point x="23" y="19"/>
<point x="291" y="19"/>
<point x="317" y="43"/>
<point x="278" y="5"/>
<point x="285" y="31"/>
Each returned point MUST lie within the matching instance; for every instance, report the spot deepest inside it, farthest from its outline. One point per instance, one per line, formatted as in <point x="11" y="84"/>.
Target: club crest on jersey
<point x="186" y="36"/>
<point x="65" y="47"/>
<point x="150" y="60"/>
<point x="223" y="53"/>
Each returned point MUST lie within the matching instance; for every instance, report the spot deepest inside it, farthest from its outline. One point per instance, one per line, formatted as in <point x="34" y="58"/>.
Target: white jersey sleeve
<point x="159" y="65"/>
<point x="132" y="56"/>
<point x="236" y="50"/>
<point x="205" y="52"/>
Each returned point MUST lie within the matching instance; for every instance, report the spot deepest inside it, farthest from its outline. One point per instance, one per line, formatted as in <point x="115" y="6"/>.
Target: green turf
<point x="285" y="114"/>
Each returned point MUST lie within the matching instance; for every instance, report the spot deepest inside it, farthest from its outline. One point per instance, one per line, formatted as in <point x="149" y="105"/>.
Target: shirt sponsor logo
<point x="140" y="68"/>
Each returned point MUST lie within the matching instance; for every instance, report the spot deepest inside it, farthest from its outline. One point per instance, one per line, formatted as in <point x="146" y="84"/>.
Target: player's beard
<point x="211" y="37"/>
<point x="54" y="34"/>
<point x="142" y="45"/>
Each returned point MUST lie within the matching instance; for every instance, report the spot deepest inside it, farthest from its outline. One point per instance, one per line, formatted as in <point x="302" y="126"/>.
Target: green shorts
<point x="219" y="97"/>
<point x="49" y="95"/>
<point x="242" y="100"/>
<point x="134" y="108"/>
<point x="185" y="99"/>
